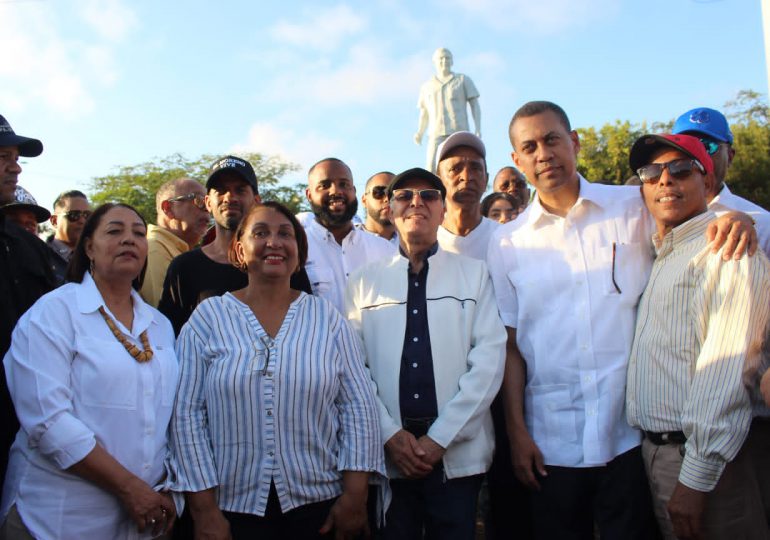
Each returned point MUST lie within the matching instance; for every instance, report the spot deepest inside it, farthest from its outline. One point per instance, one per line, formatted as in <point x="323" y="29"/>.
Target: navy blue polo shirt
<point x="417" y="386"/>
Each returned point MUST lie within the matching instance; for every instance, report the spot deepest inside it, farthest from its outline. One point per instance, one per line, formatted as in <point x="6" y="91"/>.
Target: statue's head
<point x="442" y="60"/>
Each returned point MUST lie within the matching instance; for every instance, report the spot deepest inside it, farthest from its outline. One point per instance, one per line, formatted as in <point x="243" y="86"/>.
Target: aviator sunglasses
<point x="379" y="192"/>
<point x="677" y="168"/>
<point x="406" y="195"/>
<point x="196" y="198"/>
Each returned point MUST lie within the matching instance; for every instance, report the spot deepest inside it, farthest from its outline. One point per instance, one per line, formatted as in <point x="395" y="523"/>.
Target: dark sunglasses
<point x="74" y="215"/>
<point x="711" y="146"/>
<point x="406" y="195"/>
<point x="196" y="198"/>
<point x="379" y="192"/>
<point x="677" y="168"/>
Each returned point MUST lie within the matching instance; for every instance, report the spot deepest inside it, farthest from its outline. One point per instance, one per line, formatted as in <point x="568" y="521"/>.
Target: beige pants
<point x="14" y="528"/>
<point x="734" y="509"/>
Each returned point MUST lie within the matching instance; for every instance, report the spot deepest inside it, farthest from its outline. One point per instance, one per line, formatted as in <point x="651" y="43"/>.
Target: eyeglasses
<point x="196" y="198"/>
<point x="711" y="146"/>
<point x="406" y="195"/>
<point x="379" y="192"/>
<point x="678" y="168"/>
<point x="75" y="215"/>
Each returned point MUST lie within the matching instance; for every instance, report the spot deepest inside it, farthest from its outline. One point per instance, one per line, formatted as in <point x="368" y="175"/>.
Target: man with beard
<point x="375" y="201"/>
<point x="335" y="246"/>
<point x="203" y="272"/>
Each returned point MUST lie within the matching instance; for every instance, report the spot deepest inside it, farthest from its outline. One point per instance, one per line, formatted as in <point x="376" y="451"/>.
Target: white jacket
<point x="467" y="340"/>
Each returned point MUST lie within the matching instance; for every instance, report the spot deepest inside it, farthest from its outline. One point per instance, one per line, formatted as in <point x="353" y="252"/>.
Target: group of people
<point x="594" y="355"/>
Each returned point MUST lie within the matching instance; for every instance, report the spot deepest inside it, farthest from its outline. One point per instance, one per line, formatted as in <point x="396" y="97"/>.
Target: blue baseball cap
<point x="704" y="121"/>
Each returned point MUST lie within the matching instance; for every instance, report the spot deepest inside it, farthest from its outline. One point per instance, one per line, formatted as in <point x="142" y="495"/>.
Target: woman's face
<point x="268" y="246"/>
<point x="118" y="247"/>
<point x="502" y="211"/>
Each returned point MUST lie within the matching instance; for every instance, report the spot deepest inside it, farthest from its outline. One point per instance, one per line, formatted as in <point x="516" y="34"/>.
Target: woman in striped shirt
<point x="275" y="430"/>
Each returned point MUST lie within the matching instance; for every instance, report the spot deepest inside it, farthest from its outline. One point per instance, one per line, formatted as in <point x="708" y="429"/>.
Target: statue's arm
<point x="422" y="125"/>
<point x="476" y="113"/>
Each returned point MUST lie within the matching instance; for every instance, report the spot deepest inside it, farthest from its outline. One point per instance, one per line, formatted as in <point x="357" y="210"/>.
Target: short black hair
<point x="489" y="200"/>
<point x="369" y="180"/>
<point x="59" y="202"/>
<point x="533" y="108"/>
<point x="324" y="160"/>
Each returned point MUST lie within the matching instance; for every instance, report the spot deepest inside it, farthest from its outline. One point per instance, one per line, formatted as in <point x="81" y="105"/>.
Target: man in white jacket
<point x="434" y="386"/>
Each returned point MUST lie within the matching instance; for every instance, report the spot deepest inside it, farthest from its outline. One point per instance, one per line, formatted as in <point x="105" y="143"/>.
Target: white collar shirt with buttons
<point x="329" y="264"/>
<point x="74" y="384"/>
<point x="570" y="287"/>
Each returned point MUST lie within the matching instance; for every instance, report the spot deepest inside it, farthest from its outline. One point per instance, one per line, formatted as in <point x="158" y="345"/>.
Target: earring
<point x="91" y="267"/>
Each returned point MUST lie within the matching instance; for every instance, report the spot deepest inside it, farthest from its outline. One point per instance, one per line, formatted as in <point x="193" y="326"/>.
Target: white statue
<point x="442" y="104"/>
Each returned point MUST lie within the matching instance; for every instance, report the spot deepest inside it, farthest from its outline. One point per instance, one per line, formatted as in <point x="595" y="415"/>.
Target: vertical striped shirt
<point x="296" y="410"/>
<point x="700" y="326"/>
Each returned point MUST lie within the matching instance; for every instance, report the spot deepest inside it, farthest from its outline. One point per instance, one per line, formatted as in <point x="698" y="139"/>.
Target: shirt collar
<point x="89" y="300"/>
<point x="692" y="228"/>
<point x="589" y="194"/>
<point x="723" y="197"/>
<point x="168" y="237"/>
<point x="431" y="251"/>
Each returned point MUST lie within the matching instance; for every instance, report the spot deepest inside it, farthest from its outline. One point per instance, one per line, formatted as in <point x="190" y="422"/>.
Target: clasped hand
<point x="414" y="457"/>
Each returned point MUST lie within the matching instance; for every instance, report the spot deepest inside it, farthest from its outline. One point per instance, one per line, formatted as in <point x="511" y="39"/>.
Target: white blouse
<point x="73" y="385"/>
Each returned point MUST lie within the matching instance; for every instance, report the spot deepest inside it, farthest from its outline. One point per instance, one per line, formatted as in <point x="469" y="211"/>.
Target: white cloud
<point x="297" y="146"/>
<point x="368" y="75"/>
<point x="321" y="31"/>
<point x="543" y="16"/>
<point x="53" y="70"/>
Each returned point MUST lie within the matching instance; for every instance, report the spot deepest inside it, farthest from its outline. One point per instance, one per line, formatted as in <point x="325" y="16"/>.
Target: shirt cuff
<point x="67" y="441"/>
<point x="700" y="475"/>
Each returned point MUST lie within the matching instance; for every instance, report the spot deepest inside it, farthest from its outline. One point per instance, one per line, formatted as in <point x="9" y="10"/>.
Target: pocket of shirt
<point x="630" y="272"/>
<point x="553" y="413"/>
<point x="106" y="375"/>
<point x="320" y="279"/>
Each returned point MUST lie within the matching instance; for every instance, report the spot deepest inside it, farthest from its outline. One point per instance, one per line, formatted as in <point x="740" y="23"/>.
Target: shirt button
<point x="417" y="396"/>
<point x="269" y="373"/>
<point x="414" y="311"/>
<point x="414" y="364"/>
<point x="584" y="347"/>
<point x="270" y="413"/>
<point x="416" y="283"/>
<point x="146" y="466"/>
<point x="270" y="453"/>
<point x="415" y="339"/>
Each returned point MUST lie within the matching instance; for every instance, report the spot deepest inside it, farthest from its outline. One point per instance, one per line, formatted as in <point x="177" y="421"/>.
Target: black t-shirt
<point x="192" y="277"/>
<point x="25" y="276"/>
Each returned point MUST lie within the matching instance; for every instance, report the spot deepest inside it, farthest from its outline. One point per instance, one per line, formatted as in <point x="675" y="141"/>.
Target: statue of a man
<point x="443" y="102"/>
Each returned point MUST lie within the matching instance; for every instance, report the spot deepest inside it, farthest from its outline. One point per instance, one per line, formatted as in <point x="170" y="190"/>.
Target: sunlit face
<point x="332" y="194"/>
<point x="67" y="229"/>
<point x="417" y="219"/>
<point x="502" y="211"/>
<point x="464" y="175"/>
<point x="9" y="173"/>
<point x="268" y="246"/>
<point x="229" y="199"/>
<point x="509" y="180"/>
<point x="118" y="247"/>
<point x="22" y="217"/>
<point x="673" y="201"/>
<point x="375" y="199"/>
<point x="193" y="221"/>
<point x="545" y="151"/>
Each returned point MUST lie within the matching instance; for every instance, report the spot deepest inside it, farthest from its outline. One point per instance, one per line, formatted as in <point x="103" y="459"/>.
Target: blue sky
<point x="118" y="82"/>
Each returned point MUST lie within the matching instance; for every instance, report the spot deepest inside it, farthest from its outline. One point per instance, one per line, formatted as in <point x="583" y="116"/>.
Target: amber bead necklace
<point x="133" y="350"/>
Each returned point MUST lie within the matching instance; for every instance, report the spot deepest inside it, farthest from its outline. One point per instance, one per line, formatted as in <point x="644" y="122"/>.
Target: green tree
<point x="603" y="154"/>
<point x="137" y="184"/>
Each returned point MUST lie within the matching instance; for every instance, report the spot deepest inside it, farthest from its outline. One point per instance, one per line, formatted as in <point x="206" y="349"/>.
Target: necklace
<point x="133" y="350"/>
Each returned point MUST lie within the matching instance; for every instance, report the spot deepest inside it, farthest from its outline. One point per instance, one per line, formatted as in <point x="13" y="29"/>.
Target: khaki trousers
<point x="14" y="528"/>
<point x="734" y="509"/>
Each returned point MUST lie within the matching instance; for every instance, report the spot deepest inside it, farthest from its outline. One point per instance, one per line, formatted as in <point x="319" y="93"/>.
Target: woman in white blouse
<point x="92" y="373"/>
<point x="275" y="431"/>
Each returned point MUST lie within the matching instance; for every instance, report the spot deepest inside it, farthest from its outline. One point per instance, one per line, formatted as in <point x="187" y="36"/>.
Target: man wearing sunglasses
<point x="375" y="201"/>
<point x="568" y="274"/>
<point x="699" y="334"/>
<point x="71" y="209"/>
<point x="434" y="347"/>
<point x="182" y="220"/>
<point x="711" y="127"/>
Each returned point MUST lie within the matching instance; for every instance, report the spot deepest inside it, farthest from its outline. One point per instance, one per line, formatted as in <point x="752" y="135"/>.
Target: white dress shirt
<point x="73" y="385"/>
<point x="726" y="201"/>
<point x="329" y="264"/>
<point x="474" y="244"/>
<point x="575" y="317"/>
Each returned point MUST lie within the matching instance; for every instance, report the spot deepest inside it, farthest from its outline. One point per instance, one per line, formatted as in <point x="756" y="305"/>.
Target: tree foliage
<point x="137" y="184"/>
<point x="604" y="152"/>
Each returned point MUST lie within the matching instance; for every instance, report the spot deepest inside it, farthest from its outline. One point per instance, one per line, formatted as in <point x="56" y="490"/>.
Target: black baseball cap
<point x="27" y="147"/>
<point x="420" y="173"/>
<point x="234" y="164"/>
